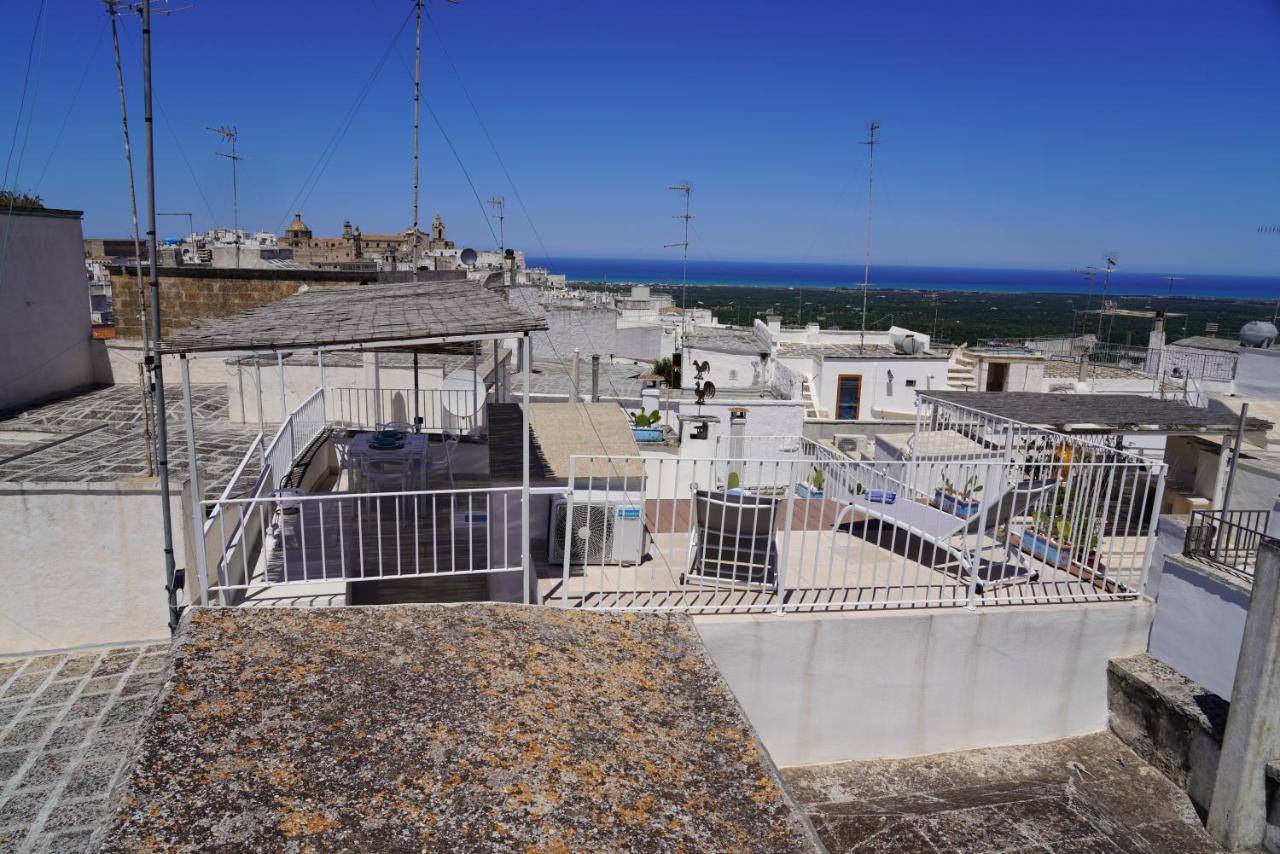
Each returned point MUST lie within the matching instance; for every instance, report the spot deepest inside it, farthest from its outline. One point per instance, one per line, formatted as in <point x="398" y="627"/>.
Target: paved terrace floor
<point x="66" y="722"/>
<point x="1088" y="794"/>
<point x="97" y="435"/>
<point x="826" y="570"/>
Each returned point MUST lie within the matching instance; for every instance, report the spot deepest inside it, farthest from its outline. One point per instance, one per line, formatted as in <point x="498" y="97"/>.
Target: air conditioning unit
<point x="852" y="444"/>
<point x="614" y="525"/>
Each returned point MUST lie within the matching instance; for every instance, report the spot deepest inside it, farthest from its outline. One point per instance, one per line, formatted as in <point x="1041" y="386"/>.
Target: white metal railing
<point x="831" y="533"/>
<point x="457" y="411"/>
<point x="300" y="539"/>
<point x="1170" y="363"/>
<point x="302" y="425"/>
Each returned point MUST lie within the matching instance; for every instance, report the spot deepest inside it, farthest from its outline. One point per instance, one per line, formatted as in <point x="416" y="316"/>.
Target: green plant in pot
<point x="645" y="420"/>
<point x="958" y="498"/>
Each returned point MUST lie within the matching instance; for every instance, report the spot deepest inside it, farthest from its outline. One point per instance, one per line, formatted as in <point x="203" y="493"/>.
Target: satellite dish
<point x="468" y="257"/>
<point x="463" y="392"/>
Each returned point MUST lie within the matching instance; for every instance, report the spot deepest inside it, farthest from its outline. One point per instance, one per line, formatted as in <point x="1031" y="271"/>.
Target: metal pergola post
<point x="526" y="559"/>
<point x="284" y="405"/>
<point x="377" y="389"/>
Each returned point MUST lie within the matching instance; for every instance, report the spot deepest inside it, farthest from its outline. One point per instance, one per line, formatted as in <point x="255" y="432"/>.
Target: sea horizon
<point x="641" y="271"/>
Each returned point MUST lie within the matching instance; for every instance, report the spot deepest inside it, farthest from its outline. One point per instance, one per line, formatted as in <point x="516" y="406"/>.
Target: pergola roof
<point x="377" y="316"/>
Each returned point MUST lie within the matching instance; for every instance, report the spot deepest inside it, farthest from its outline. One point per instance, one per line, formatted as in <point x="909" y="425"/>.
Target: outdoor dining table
<point x="415" y="449"/>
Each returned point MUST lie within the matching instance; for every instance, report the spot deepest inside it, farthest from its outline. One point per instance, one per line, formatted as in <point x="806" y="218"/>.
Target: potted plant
<point x="643" y="426"/>
<point x="812" y="488"/>
<point x="1056" y="535"/>
<point x="958" y="500"/>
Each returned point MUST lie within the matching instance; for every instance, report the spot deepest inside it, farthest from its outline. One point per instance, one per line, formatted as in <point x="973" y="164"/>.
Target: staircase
<point x="962" y="370"/>
<point x="810" y="400"/>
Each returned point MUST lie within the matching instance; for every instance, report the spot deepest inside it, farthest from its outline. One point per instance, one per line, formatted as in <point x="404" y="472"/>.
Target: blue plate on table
<point x="390" y="435"/>
<point x="381" y="444"/>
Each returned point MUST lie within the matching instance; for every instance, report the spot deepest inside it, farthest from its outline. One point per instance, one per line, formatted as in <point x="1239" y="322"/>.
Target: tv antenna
<point x="686" y="188"/>
<point x="499" y="204"/>
<point x="1172" y="279"/>
<point x="230" y="135"/>
<point x="1112" y="260"/>
<point x="870" y="142"/>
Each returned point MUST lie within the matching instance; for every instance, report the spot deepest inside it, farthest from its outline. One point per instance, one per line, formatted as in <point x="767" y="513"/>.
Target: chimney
<point x="775" y="324"/>
<point x="811" y="333"/>
<point x="1155" y="341"/>
<point x="595" y="377"/>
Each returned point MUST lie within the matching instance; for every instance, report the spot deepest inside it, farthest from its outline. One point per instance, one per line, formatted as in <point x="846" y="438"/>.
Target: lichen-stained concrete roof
<point x="448" y="728"/>
<point x="372" y="314"/>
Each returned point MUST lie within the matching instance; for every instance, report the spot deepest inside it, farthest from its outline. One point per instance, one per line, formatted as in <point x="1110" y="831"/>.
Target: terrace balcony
<point x="971" y="510"/>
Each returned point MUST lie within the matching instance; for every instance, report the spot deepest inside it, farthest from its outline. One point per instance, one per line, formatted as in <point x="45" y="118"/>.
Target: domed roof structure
<point x="298" y="224"/>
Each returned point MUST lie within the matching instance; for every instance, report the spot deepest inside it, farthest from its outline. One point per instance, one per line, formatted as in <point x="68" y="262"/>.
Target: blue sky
<point x="1014" y="134"/>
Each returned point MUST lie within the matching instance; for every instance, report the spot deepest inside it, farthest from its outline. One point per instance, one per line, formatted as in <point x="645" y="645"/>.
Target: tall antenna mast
<point x="687" y="189"/>
<point x="229" y="135"/>
<point x="137" y="243"/>
<point x="417" y="97"/>
<point x="1112" y="263"/>
<point x="157" y="366"/>
<point x="870" y="142"/>
<point x="499" y="205"/>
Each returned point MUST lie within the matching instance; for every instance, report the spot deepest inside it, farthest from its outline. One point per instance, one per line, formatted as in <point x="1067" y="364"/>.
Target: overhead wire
<point x="33" y="60"/>
<point x="84" y="75"/>
<point x="484" y="214"/>
<point x="444" y="48"/>
<point x="177" y="143"/>
<point x="318" y="169"/>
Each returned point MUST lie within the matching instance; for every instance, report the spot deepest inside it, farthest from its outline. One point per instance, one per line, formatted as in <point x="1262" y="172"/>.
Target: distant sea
<point x="771" y="274"/>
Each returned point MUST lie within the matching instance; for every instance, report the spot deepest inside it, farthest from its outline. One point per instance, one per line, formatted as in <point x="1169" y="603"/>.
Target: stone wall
<point x="188" y="294"/>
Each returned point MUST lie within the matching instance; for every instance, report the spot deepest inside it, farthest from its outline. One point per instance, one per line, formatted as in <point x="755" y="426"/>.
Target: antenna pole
<point x="229" y="134"/>
<point x="417" y="96"/>
<point x="157" y="366"/>
<point x="687" y="189"/>
<point x="871" y="142"/>
<point x="147" y="433"/>
<point x="499" y="204"/>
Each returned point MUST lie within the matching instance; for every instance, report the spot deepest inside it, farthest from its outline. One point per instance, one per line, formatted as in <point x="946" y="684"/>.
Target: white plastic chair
<point x="443" y="462"/>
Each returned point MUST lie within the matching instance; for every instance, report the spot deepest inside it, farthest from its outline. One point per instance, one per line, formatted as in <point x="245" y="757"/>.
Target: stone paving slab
<point x="66" y="723"/>
<point x="97" y="436"/>
<point x="448" y="728"/>
<point x="1080" y="794"/>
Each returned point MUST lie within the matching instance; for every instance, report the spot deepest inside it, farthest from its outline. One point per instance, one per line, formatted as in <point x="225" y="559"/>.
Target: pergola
<point x="415" y="317"/>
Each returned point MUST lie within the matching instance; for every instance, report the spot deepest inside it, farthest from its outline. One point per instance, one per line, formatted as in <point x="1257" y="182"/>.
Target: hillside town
<point x="334" y="540"/>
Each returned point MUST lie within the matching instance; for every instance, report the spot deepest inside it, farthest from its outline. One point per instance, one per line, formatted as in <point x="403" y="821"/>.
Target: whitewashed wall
<point x="45" y="332"/>
<point x="82" y="563"/>
<point x="831" y="687"/>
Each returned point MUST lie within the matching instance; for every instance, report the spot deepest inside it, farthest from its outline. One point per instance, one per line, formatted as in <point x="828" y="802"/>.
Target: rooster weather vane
<point x="704" y="389"/>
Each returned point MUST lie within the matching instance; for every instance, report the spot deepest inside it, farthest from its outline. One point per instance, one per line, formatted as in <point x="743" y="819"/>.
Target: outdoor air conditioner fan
<point x="615" y="532"/>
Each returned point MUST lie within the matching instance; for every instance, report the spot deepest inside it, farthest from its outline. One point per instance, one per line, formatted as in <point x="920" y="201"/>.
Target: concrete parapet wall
<point x="83" y="564"/>
<point x="1199" y="621"/>
<point x="831" y="687"/>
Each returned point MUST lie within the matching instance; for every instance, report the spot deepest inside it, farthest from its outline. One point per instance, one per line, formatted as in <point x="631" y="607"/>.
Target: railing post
<point x="257" y="380"/>
<point x="197" y="516"/>
<point x="284" y="406"/>
<point x="1153" y="527"/>
<point x="790" y="507"/>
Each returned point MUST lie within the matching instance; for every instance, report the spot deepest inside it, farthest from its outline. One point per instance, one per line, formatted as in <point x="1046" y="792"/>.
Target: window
<point x="848" y="396"/>
<point x="911" y="383"/>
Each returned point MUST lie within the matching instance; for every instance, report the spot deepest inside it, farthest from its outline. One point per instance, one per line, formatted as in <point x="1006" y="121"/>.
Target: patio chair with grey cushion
<point x="732" y="541"/>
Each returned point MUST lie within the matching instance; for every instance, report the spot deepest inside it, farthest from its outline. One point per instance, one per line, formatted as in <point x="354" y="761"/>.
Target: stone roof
<point x="66" y="722"/>
<point x="843" y="350"/>
<point x="97" y="436"/>
<point x="741" y="341"/>
<point x="430" y="727"/>
<point x="1204" y="342"/>
<point x="345" y="316"/>
<point x="1129" y="412"/>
